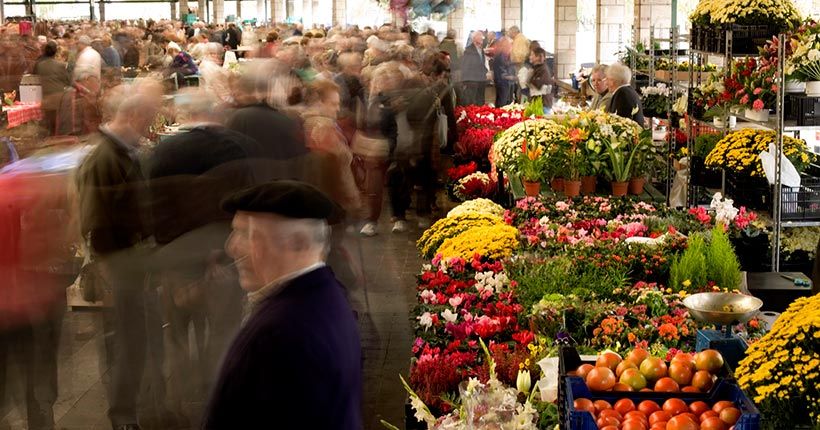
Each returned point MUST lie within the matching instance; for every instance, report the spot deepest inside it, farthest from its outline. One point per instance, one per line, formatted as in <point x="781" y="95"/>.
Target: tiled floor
<point x="390" y="263"/>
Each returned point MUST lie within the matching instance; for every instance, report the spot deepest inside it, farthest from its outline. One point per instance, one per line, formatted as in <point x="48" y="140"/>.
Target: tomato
<point x="608" y="421"/>
<point x="684" y="357"/>
<point x="584" y="369"/>
<point x="660" y="425"/>
<point x="634" y="378"/>
<point x="610" y="428"/>
<point x="681" y="423"/>
<point x="691" y="416"/>
<point x="681" y="372"/>
<point x="666" y="385"/>
<point x="703" y="380"/>
<point x="659" y="416"/>
<point x="636" y="415"/>
<point x="583" y="405"/>
<point x="648" y="407"/>
<point x="608" y="359"/>
<point x="623" y="366"/>
<point x="622" y="387"/>
<point x="721" y="405"/>
<point x="690" y="389"/>
<point x="712" y="423"/>
<point x="699" y="408"/>
<point x="675" y="406"/>
<point x="624" y="405"/>
<point x="601" y="405"/>
<point x="709" y="360"/>
<point x="708" y="414"/>
<point x="637" y="356"/>
<point x="612" y="413"/>
<point x="601" y="379"/>
<point x="634" y="425"/>
<point x="730" y="415"/>
<point x="645" y="390"/>
<point x="653" y="368"/>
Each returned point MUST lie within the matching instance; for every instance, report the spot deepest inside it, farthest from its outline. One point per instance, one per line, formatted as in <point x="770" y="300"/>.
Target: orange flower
<point x="668" y="331"/>
<point x="631" y="337"/>
<point x="576" y="135"/>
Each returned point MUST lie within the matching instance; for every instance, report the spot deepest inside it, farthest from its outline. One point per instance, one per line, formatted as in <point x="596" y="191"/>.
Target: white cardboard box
<point x="31" y="91"/>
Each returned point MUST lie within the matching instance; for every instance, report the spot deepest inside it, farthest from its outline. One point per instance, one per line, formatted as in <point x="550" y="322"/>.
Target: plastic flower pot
<point x="636" y="185"/>
<point x="588" y="184"/>
<point x="572" y="188"/>
<point x="813" y="88"/>
<point x="557" y="184"/>
<point x="619" y="189"/>
<point x="532" y="188"/>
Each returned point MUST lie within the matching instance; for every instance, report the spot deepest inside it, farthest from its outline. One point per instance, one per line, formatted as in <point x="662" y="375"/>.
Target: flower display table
<point x="19" y="114"/>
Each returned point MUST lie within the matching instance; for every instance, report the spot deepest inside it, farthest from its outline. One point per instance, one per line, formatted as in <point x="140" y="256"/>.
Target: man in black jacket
<point x="112" y="194"/>
<point x="625" y="100"/>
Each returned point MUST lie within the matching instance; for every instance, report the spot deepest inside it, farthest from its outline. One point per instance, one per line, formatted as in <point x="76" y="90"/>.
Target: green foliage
<point x="535" y="107"/>
<point x="562" y="275"/>
<point x="705" y="143"/>
<point x="689" y="270"/>
<point x="547" y="414"/>
<point x="723" y="267"/>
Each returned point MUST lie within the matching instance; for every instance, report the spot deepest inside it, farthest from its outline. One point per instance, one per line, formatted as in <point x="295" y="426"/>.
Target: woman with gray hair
<point x="625" y="100"/>
<point x="597" y="82"/>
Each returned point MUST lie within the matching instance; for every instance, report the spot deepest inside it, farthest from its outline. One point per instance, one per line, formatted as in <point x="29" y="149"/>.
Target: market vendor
<point x="597" y="80"/>
<point x="300" y="346"/>
<point x="625" y="102"/>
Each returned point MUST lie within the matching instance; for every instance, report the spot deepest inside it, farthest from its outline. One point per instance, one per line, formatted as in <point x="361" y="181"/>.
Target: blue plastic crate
<point x="576" y="388"/>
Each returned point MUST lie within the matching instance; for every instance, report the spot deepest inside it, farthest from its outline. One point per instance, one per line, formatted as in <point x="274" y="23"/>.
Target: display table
<point x="776" y="291"/>
<point x="21" y="113"/>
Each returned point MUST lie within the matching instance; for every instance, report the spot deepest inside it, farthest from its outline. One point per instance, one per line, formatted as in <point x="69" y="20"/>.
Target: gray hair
<point x="599" y="68"/>
<point x="619" y="74"/>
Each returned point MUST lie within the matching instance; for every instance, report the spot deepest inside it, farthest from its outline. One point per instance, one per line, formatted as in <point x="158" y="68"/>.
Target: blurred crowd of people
<point x="180" y="117"/>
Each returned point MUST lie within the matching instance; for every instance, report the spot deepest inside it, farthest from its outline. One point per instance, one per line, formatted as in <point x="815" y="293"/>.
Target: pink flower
<point x="745" y="99"/>
<point x="757" y="91"/>
<point x="775" y="88"/>
<point x="757" y="105"/>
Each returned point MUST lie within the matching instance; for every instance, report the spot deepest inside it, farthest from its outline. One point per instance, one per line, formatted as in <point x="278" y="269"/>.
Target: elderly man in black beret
<point x="296" y="363"/>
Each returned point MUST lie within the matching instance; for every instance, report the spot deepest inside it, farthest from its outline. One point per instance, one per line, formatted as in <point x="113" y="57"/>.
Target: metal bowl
<point x="722" y="308"/>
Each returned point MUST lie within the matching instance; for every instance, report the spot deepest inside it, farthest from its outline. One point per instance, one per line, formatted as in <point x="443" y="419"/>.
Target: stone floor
<point x="391" y="264"/>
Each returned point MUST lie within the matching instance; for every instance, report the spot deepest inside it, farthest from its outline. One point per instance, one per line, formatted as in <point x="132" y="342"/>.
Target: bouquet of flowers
<point x="781" y="371"/>
<point x="475" y="142"/>
<point x="492" y="242"/>
<point x="740" y="152"/>
<point x="445" y="228"/>
<point x="804" y="63"/>
<point x="757" y="77"/>
<point x="541" y="135"/>
<point x="479" y="206"/>
<point x="780" y="13"/>
<point x="486" y="117"/>
<point x="475" y="185"/>
<point x="656" y="100"/>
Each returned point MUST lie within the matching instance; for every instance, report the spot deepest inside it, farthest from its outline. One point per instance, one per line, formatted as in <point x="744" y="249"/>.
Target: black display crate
<point x="803" y="109"/>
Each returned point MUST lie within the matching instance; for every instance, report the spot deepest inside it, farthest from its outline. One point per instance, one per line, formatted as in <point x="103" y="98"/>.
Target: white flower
<point x="523" y="381"/>
<point x="427" y="296"/>
<point x="425" y="320"/>
<point x="421" y="412"/>
<point x="449" y="316"/>
<point x="455" y="301"/>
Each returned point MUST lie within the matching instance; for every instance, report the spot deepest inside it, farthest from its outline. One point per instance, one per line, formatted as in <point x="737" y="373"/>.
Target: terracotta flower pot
<point x="572" y="188"/>
<point x="636" y="185"/>
<point x="588" y="184"/>
<point x="557" y="184"/>
<point x="619" y="188"/>
<point x="532" y="188"/>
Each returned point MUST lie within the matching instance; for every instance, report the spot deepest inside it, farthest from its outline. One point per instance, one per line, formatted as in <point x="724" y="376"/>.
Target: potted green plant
<point x="620" y="157"/>
<point x="532" y="165"/>
<point x="645" y="154"/>
<point x="576" y="137"/>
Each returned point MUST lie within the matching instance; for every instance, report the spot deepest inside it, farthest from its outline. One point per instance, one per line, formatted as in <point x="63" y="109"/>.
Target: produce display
<point x="671" y="414"/>
<point x="638" y="371"/>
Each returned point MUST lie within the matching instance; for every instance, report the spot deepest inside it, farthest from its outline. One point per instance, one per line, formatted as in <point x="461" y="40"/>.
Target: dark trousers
<point x="33" y="349"/>
<point x="370" y="174"/>
<point x="503" y="93"/>
<point x="407" y="177"/>
<point x="473" y="93"/>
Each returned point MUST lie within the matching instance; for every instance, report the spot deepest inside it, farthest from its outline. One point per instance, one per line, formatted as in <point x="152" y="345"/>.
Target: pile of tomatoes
<point x="673" y="414"/>
<point x="688" y="373"/>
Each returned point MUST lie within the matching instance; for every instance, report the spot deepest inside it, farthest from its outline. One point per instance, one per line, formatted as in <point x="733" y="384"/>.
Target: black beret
<point x="290" y="199"/>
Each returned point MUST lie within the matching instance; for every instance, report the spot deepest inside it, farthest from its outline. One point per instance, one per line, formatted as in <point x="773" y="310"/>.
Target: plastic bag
<point x="789" y="176"/>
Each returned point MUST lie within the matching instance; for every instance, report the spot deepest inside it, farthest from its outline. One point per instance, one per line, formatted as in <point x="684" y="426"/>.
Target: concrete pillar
<point x="260" y="10"/>
<point x="649" y="13"/>
<point x="277" y="11"/>
<point x="173" y="5"/>
<point x="511" y="13"/>
<point x="612" y="29"/>
<point x="102" y="10"/>
<point x="2" y="12"/>
<point x="218" y="7"/>
<point x="455" y="21"/>
<point x="238" y="8"/>
<point x="200" y="11"/>
<point x="340" y="12"/>
<point x="566" y="27"/>
<point x="183" y="8"/>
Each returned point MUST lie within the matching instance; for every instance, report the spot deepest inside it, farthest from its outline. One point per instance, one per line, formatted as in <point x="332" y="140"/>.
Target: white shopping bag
<point x="789" y="176"/>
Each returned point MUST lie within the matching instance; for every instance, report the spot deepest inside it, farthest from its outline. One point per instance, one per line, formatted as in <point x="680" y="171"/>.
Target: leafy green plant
<point x="531" y="163"/>
<point x="534" y="108"/>
<point x="620" y="157"/>
<point x="705" y="143"/>
<point x="723" y="267"/>
<point x="689" y="270"/>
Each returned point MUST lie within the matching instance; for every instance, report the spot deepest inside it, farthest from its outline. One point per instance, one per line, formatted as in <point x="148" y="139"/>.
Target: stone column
<point x="277" y="11"/>
<point x="340" y="12"/>
<point x="218" y="7"/>
<point x="612" y="29"/>
<point x="2" y="12"/>
<point x="200" y="11"/>
<point x="455" y="21"/>
<point x="102" y="10"/>
<point x="238" y="9"/>
<point x="183" y="8"/>
<point x="649" y="13"/>
<point x="511" y="13"/>
<point x="566" y="26"/>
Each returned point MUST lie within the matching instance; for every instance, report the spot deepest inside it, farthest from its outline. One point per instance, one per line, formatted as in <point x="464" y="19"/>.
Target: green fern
<point x="689" y="270"/>
<point x="723" y="267"/>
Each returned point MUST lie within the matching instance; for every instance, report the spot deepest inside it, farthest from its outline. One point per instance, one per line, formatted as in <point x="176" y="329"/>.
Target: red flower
<point x="757" y="105"/>
<point x="458" y="172"/>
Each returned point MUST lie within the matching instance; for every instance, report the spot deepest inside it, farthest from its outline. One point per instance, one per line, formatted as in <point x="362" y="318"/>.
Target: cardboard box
<point x="31" y="91"/>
